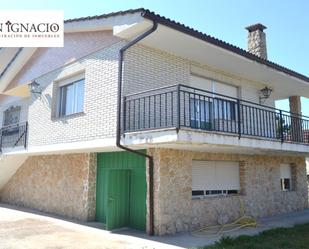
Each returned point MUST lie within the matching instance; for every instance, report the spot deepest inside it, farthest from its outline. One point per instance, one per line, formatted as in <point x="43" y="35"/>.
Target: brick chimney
<point x="257" y="40"/>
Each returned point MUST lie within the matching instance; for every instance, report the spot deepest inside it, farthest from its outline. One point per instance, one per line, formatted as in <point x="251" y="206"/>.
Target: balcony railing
<point x="14" y="136"/>
<point x="182" y="106"/>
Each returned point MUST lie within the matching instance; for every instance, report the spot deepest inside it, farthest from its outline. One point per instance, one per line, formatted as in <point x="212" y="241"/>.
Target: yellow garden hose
<point x="216" y="230"/>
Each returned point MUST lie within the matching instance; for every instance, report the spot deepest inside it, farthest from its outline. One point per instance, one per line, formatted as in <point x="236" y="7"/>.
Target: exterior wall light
<point x="35" y="87"/>
<point x="265" y="93"/>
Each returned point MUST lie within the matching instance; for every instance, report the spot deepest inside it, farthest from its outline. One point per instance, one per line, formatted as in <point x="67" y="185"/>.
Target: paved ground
<point x="21" y="229"/>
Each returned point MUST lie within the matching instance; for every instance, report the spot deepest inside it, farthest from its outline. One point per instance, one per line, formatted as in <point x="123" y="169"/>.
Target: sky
<point x="287" y="22"/>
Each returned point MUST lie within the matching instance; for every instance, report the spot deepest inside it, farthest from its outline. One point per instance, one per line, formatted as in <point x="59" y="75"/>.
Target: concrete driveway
<point x="23" y="229"/>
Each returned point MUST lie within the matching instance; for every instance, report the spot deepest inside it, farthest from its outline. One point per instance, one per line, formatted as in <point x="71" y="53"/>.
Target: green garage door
<point x="121" y="190"/>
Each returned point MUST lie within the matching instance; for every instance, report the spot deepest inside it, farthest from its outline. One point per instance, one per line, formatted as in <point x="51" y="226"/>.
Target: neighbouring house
<point x="140" y="121"/>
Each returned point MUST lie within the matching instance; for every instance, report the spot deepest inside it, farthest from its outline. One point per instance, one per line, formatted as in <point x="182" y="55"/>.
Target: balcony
<point x="14" y="136"/>
<point x="183" y="107"/>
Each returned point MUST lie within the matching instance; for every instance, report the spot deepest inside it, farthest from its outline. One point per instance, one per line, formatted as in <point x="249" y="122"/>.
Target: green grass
<point x="279" y="238"/>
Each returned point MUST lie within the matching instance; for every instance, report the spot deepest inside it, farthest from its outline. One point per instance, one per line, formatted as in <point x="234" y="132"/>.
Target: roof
<point x="195" y="33"/>
<point x="199" y="35"/>
<point x="130" y="11"/>
<point x="10" y="62"/>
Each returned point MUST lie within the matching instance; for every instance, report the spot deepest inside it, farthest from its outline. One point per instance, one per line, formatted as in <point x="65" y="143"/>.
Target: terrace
<point x="187" y="108"/>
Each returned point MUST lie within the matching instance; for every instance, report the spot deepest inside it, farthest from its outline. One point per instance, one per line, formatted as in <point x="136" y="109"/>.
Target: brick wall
<point x="146" y="68"/>
<point x="76" y="46"/>
<point x="100" y="68"/>
<point x="99" y="116"/>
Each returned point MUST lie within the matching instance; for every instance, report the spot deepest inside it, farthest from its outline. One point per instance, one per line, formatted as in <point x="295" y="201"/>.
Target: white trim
<point x="189" y="138"/>
<point x="68" y="79"/>
<point x="97" y="145"/>
<point x="15" y="67"/>
<point x="107" y="23"/>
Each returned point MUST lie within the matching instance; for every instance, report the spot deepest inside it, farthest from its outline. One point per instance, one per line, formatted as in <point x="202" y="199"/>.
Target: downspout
<point x="118" y="131"/>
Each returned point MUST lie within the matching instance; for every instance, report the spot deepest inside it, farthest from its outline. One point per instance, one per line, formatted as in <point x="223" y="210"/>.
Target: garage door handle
<point x="111" y="199"/>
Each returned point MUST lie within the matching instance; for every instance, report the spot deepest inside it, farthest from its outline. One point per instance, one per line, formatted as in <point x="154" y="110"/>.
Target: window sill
<point x="204" y="198"/>
<point x="66" y="117"/>
<point x="288" y="191"/>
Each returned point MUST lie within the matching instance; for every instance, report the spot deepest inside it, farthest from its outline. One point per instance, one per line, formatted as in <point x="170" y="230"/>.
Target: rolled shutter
<point x="202" y="175"/>
<point x="285" y="171"/>
<point x="225" y="89"/>
<point x="215" y="175"/>
<point x="201" y="83"/>
<point x="228" y="174"/>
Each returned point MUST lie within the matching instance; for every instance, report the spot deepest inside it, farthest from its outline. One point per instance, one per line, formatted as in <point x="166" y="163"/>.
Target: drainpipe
<point x="118" y="131"/>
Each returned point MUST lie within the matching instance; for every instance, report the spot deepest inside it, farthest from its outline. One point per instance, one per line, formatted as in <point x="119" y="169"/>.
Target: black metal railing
<point x="14" y="135"/>
<point x="181" y="106"/>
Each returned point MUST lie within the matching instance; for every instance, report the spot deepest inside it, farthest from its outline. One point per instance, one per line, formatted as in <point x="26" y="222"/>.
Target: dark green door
<point x="118" y="201"/>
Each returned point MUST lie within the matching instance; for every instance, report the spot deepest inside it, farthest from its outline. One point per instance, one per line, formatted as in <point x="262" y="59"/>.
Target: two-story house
<point x="142" y="122"/>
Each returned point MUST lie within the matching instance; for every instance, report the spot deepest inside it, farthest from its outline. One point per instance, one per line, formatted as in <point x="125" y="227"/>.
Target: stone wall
<point x="92" y="179"/>
<point x="57" y="184"/>
<point x="175" y="211"/>
<point x="295" y="104"/>
<point x="257" y="43"/>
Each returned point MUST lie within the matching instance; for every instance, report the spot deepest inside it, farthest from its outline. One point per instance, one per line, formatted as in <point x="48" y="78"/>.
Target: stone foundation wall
<point x="92" y="179"/>
<point x="175" y="211"/>
<point x="57" y="184"/>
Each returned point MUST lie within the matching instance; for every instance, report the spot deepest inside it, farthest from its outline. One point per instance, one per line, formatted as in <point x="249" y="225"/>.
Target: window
<point x="219" y="107"/>
<point x="213" y="178"/>
<point x="225" y="109"/>
<point x="201" y="111"/>
<point x="11" y="116"/>
<point x="71" y="98"/>
<point x="286" y="177"/>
